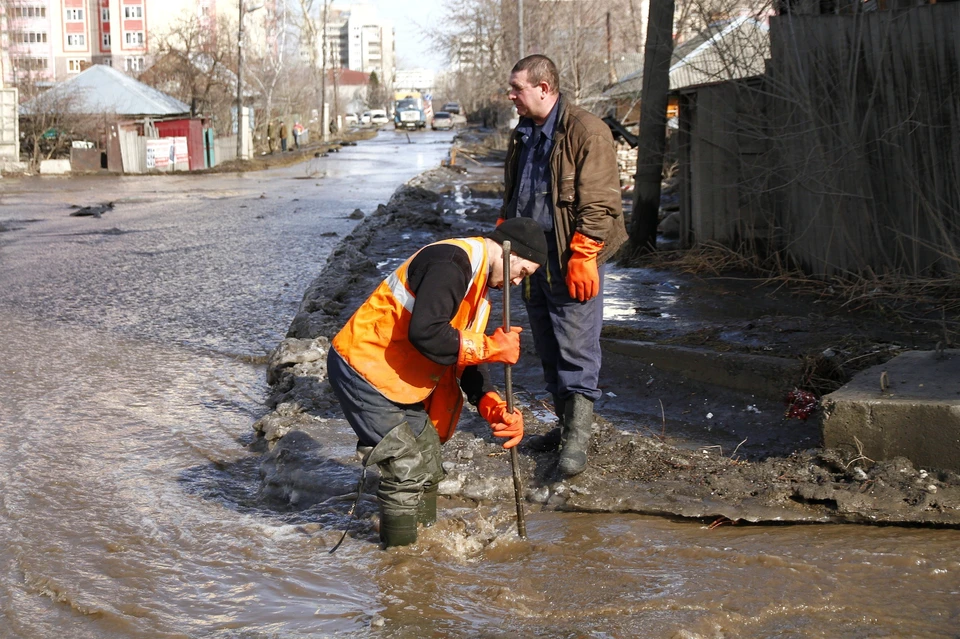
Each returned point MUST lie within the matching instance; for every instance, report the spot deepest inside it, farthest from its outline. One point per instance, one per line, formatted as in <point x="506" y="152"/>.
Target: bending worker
<point x="561" y="171"/>
<point x="403" y="362"/>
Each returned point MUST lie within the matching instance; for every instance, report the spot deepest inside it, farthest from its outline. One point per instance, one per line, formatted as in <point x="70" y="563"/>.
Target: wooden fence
<point x="864" y="113"/>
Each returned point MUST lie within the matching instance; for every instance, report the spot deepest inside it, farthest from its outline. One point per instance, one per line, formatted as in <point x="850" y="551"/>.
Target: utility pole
<point x="653" y="127"/>
<point x="240" y="81"/>
<point x="611" y="75"/>
<point x="324" y="118"/>
<point x="242" y="11"/>
<point x="522" y="47"/>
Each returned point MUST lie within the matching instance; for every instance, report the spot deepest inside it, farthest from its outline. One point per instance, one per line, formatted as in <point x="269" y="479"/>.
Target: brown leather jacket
<point x="584" y="178"/>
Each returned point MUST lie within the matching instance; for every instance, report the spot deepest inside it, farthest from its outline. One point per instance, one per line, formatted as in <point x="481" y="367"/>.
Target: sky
<point x="410" y="18"/>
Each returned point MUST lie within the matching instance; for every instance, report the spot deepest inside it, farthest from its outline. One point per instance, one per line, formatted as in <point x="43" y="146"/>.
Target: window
<point x="29" y="38"/>
<point x="133" y="37"/>
<point x="133" y="12"/>
<point x="106" y="40"/>
<point x="74" y="15"/>
<point x="74" y="66"/>
<point x="76" y="40"/>
<point x="30" y="12"/>
<point x="105" y="14"/>
<point x="30" y="64"/>
<point x="133" y="64"/>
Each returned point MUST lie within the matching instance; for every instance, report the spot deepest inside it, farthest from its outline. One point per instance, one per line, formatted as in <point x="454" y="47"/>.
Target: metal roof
<point x="730" y="50"/>
<point x="102" y="89"/>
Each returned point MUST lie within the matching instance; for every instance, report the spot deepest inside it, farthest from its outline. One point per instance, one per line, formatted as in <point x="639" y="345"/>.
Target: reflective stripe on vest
<point x="375" y="343"/>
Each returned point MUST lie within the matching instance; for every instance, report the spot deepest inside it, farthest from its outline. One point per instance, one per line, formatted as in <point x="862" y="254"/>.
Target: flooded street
<point x="132" y="370"/>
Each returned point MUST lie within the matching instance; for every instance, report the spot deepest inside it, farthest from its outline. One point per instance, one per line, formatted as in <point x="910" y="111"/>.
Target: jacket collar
<point x="560" y="129"/>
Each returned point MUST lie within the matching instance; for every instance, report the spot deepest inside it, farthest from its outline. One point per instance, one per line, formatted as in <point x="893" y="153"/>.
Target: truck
<point x="411" y="110"/>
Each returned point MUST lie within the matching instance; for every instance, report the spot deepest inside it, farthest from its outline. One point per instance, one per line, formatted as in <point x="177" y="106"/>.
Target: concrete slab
<point x="909" y="407"/>
<point x="761" y="375"/>
<point x="54" y="167"/>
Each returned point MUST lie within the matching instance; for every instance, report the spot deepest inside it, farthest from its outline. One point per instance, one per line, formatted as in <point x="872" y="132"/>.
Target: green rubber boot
<point x="402" y="479"/>
<point x="429" y="444"/>
<point x="578" y="426"/>
<point x="397" y="530"/>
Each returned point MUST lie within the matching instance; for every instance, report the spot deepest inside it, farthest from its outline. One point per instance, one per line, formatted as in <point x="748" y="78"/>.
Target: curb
<point x="763" y="375"/>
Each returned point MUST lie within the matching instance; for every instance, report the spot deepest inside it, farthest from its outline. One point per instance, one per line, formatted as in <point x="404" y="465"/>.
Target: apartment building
<point x="359" y="40"/>
<point x="49" y="40"/>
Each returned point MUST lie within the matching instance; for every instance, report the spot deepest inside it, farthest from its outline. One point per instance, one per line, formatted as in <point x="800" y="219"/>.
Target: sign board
<point x="181" y="153"/>
<point x="164" y="153"/>
<point x="158" y="153"/>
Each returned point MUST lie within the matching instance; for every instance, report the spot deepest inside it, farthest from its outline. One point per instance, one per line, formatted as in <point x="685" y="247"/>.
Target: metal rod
<point x="240" y="82"/>
<point x="508" y="386"/>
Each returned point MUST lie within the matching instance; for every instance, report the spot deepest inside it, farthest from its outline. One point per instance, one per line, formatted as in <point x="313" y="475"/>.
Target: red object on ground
<point x="801" y="403"/>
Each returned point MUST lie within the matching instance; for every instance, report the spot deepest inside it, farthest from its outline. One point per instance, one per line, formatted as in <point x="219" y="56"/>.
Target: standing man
<point x="403" y="361"/>
<point x="271" y="134"/>
<point x="561" y="171"/>
<point x="283" y="137"/>
<point x="297" y="132"/>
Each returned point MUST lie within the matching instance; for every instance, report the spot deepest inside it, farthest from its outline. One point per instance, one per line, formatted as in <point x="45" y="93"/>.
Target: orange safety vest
<point x="375" y="342"/>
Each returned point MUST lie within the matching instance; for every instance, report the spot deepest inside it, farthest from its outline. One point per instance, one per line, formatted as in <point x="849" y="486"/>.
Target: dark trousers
<point x="369" y="413"/>
<point x="566" y="333"/>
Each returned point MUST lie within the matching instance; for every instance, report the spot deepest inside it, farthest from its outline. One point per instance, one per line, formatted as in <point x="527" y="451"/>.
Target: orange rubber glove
<point x="503" y="424"/>
<point x="583" y="276"/>
<point x="477" y="348"/>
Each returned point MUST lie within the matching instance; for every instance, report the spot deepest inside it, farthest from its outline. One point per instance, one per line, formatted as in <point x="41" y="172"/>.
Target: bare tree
<point x="472" y="35"/>
<point x="52" y="119"/>
<point x="480" y="37"/>
<point x="194" y="63"/>
<point x="268" y="64"/>
<point x="312" y="23"/>
<point x="574" y="35"/>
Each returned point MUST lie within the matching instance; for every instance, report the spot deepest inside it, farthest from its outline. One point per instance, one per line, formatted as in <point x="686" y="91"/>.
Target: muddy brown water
<point x="131" y="374"/>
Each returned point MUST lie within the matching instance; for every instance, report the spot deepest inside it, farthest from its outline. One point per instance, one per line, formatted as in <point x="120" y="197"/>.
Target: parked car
<point x="442" y="120"/>
<point x="365" y="118"/>
<point x="351" y="119"/>
<point x="379" y="117"/>
<point x="452" y="107"/>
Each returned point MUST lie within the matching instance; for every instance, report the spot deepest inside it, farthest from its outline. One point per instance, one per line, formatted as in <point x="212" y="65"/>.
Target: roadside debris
<point x="91" y="211"/>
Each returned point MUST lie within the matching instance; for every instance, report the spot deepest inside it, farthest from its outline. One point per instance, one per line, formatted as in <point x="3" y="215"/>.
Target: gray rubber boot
<point x="429" y="443"/>
<point x="578" y="426"/>
<point x="403" y="475"/>
<point x="550" y="440"/>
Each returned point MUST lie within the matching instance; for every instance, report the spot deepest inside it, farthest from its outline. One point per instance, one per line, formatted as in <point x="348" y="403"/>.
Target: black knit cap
<point x="526" y="238"/>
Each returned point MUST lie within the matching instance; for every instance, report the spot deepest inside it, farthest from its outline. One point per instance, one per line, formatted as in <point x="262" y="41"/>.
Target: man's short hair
<point x="539" y="69"/>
